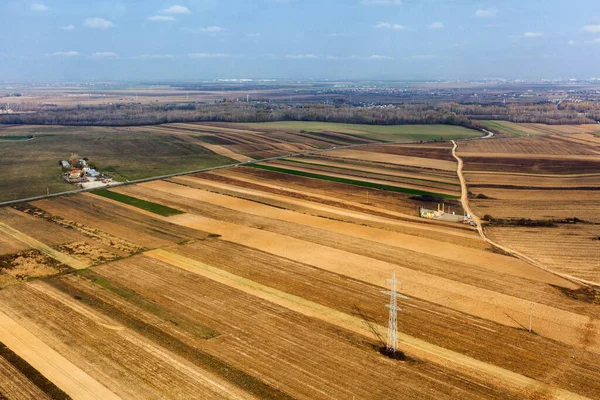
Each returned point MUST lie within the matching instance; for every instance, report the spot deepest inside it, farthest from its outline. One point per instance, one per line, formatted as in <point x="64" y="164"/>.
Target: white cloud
<point x="381" y="2"/>
<point x="100" y="23"/>
<point x="71" y="53"/>
<point x="341" y="57"/>
<point x="212" y="29"/>
<point x="153" y="57"/>
<point x="379" y="57"/>
<point x="336" y="34"/>
<point x="177" y="9"/>
<point x="532" y="34"/>
<point x="591" y="28"/>
<point x="208" y="55"/>
<point x="387" y="25"/>
<point x="593" y="41"/>
<point x="436" y="25"/>
<point x="160" y="18"/>
<point x="301" y="56"/>
<point x="69" y="27"/>
<point x="488" y="13"/>
<point x="253" y="34"/>
<point x="424" y="57"/>
<point x="209" y="30"/>
<point x="104" y="54"/>
<point x="571" y="43"/>
<point x="39" y="7"/>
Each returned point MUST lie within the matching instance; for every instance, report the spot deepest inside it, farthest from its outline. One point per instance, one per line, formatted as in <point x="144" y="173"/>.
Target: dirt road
<point x="464" y="199"/>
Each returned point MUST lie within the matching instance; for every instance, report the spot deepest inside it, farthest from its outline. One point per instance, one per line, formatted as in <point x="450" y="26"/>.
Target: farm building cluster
<point x="443" y="215"/>
<point x="78" y="171"/>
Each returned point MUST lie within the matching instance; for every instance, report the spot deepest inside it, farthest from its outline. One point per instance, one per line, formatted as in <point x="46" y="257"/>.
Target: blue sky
<point x="47" y="40"/>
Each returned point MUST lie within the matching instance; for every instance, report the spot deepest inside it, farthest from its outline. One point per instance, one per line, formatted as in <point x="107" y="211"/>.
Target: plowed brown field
<point x="268" y="285"/>
<point x="542" y="178"/>
<point x="368" y="155"/>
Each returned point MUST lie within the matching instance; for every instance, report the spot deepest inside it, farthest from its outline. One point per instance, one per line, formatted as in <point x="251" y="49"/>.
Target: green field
<point x="139" y="203"/>
<point x="28" y="168"/>
<point x="354" y="182"/>
<point x="15" y="138"/>
<point x="506" y="127"/>
<point x="386" y="133"/>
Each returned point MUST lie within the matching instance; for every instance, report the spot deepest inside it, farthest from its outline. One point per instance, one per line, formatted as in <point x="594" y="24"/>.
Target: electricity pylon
<point x="392" y="339"/>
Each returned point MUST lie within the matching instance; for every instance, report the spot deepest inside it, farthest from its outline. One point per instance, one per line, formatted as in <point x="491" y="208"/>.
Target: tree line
<point x="157" y="113"/>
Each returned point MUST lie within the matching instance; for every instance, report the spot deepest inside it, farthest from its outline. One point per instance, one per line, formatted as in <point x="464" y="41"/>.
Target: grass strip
<point x="2" y="138"/>
<point x="32" y="374"/>
<point x="198" y="330"/>
<point x="196" y="356"/>
<point x="504" y="128"/>
<point x="359" y="170"/>
<point x="139" y="203"/>
<point x="370" y="185"/>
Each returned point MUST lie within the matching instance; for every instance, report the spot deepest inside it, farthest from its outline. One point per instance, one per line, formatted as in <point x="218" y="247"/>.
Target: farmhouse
<point x="64" y="164"/>
<point x="76" y="173"/>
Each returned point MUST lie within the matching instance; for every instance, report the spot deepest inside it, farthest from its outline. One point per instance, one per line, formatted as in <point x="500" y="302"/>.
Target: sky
<point x="155" y="40"/>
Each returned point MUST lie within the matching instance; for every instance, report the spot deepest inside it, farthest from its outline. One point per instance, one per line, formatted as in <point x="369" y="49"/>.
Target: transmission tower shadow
<point x="371" y="324"/>
<point x="380" y="345"/>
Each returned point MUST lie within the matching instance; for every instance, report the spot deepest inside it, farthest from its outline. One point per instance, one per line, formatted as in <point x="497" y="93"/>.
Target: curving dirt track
<point x="464" y="199"/>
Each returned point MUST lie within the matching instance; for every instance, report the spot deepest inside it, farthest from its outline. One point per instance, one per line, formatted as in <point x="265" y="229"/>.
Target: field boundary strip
<point x="394" y="218"/>
<point x="352" y="323"/>
<point x="36" y="244"/>
<point x="139" y="203"/>
<point x="56" y="368"/>
<point x="368" y="170"/>
<point x="48" y="388"/>
<point x="464" y="199"/>
<point x="354" y="182"/>
<point x="161" y="177"/>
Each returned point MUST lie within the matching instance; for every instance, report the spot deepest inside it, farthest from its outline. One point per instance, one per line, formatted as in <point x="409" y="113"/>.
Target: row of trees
<point x="156" y="113"/>
<point x="545" y="113"/>
<point x="148" y="114"/>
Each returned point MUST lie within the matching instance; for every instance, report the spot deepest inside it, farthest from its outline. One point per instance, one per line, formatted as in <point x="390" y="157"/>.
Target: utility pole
<point x="392" y="339"/>
<point x="47" y="190"/>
